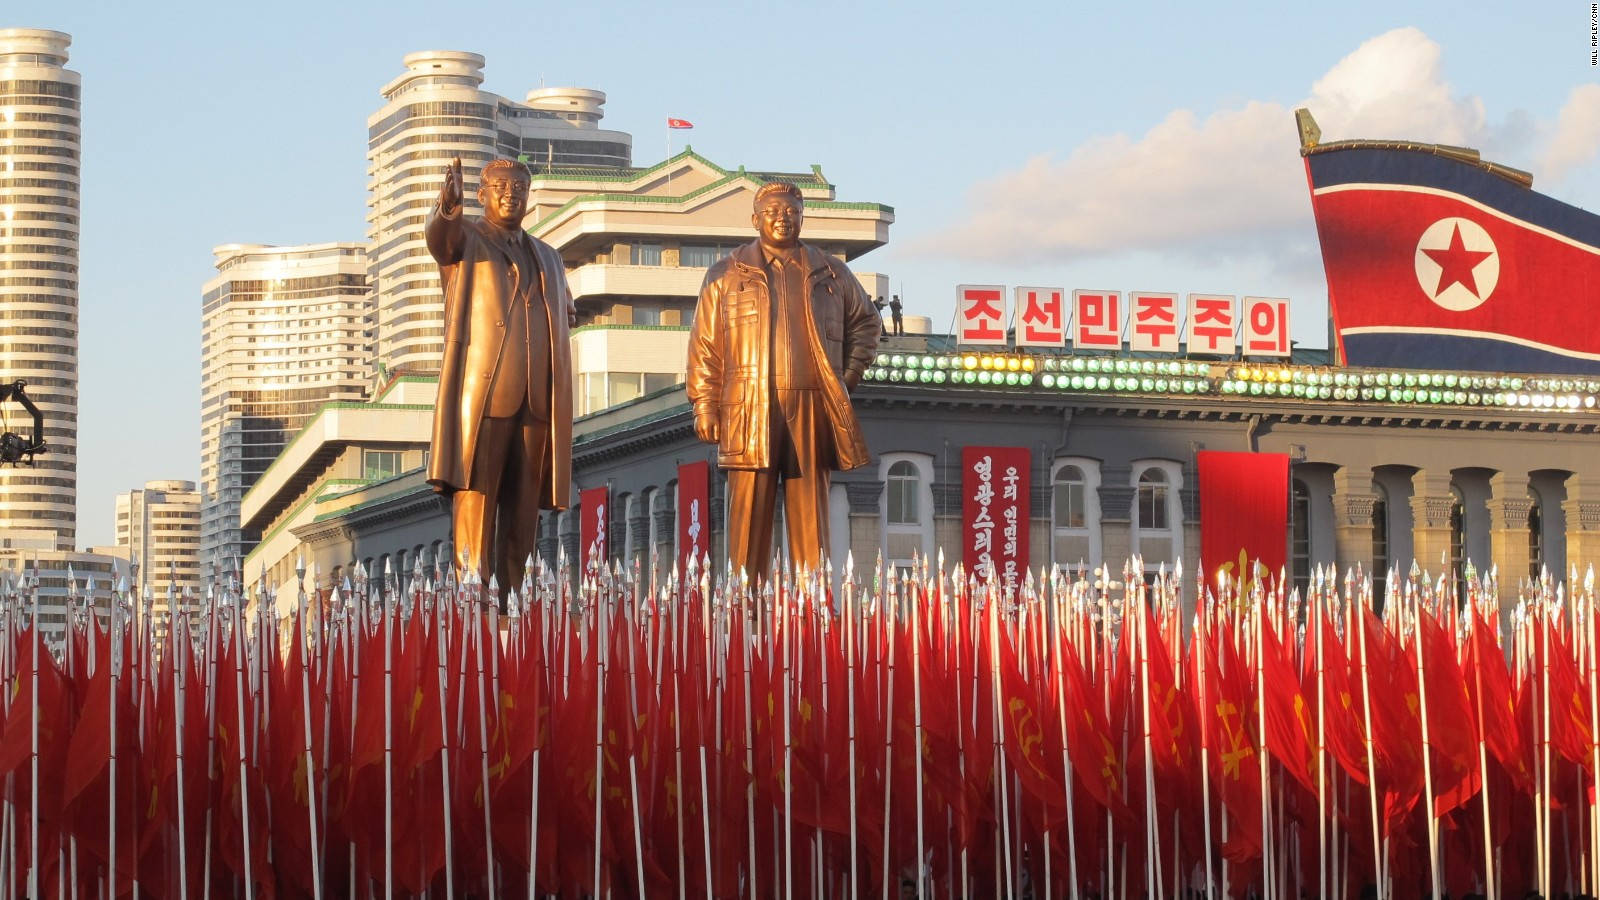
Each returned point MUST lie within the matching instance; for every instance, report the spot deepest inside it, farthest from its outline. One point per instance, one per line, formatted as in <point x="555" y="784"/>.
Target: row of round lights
<point x="1187" y="377"/>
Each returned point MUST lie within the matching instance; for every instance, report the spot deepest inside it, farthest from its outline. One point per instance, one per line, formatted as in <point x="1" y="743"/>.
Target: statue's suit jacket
<point x="480" y="281"/>
<point x="730" y="366"/>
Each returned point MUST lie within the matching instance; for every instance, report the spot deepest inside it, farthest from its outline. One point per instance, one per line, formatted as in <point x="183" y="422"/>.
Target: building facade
<point x="1441" y="469"/>
<point x="637" y="243"/>
<point x="433" y="112"/>
<point x="159" y="525"/>
<point x="40" y="140"/>
<point x="284" y="331"/>
<point x="90" y="579"/>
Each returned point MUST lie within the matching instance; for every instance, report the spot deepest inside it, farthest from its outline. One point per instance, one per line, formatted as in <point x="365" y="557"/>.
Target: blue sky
<point x="1145" y="147"/>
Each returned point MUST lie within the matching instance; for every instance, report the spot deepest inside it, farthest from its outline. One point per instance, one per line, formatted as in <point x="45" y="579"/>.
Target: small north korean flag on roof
<point x="679" y="123"/>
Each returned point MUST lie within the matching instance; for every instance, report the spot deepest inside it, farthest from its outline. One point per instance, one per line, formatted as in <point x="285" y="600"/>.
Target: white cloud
<point x="1576" y="140"/>
<point x="1231" y="184"/>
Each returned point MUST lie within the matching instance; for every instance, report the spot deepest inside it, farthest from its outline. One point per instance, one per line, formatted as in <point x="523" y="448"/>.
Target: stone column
<point x="1353" y="503"/>
<point x="1430" y="520"/>
<point x="1581" y="509"/>
<point x="1509" y="503"/>
<point x="639" y="531"/>
<point x="666" y="548"/>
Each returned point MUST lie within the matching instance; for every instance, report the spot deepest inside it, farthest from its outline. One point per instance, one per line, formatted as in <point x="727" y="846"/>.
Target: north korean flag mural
<point x="1244" y="512"/>
<point x="1438" y="261"/>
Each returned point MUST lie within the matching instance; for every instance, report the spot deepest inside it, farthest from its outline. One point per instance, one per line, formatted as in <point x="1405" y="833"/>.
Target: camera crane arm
<point x="13" y="447"/>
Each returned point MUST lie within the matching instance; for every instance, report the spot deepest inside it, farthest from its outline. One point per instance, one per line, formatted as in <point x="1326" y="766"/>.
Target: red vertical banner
<point x="594" y="506"/>
<point x="694" y="512"/>
<point x="994" y="511"/>
<point x="1244" y="512"/>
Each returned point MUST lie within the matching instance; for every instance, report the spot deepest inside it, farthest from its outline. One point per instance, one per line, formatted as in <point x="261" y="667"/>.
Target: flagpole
<point x="599" y="735"/>
<point x="1483" y="760"/>
<point x="999" y="733"/>
<point x="916" y="701"/>
<point x="1058" y="603"/>
<point x="1152" y="840"/>
<point x="441" y="618"/>
<point x="1266" y="780"/>
<point x="850" y="706"/>
<point x="1322" y="749"/>
<point x="244" y="784"/>
<point x="33" y="742"/>
<point x="1200" y="646"/>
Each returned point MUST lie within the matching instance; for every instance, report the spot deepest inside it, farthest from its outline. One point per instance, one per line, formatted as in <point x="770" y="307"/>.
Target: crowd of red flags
<point x="928" y="734"/>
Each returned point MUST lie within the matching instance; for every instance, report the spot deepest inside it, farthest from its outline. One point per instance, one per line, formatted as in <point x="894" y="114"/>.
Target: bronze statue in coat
<point x="502" y="429"/>
<point x="782" y="333"/>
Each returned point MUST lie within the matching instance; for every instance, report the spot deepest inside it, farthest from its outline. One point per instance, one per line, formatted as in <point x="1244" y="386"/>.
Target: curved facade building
<point x="283" y="331"/>
<point x="433" y="112"/>
<point x="39" y="158"/>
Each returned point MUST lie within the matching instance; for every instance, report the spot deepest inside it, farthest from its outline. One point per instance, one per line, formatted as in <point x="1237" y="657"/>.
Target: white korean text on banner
<point x="994" y="511"/>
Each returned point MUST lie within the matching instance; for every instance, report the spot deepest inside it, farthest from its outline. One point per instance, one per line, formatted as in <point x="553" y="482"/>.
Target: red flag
<point x="1452" y="725"/>
<point x="1290" y="733"/>
<point x="594" y="532"/>
<point x="1244" y="512"/>
<point x="679" y="123"/>
<point x="694" y="513"/>
<point x="1489" y="685"/>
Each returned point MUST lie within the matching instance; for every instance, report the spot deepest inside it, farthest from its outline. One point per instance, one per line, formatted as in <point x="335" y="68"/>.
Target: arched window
<point x="1380" y="544"/>
<point x="1157" y="518"/>
<point x="907" y="507"/>
<point x="1458" y="540"/>
<point x="904" y="484"/>
<point x="1300" y="536"/>
<point x="1535" y="539"/>
<point x="1075" y="512"/>
<point x="1152" y="509"/>
<point x="1067" y="498"/>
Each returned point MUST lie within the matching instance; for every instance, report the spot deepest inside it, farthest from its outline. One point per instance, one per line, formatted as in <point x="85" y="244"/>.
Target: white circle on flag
<point x="1457" y="264"/>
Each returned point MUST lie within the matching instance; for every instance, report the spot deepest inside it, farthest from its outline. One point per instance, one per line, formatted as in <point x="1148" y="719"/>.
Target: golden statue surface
<point x="782" y="333"/>
<point x="502" y="427"/>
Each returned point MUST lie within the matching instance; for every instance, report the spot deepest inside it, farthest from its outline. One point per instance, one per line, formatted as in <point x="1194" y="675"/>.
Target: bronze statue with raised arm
<point x="782" y="333"/>
<point x="502" y="429"/>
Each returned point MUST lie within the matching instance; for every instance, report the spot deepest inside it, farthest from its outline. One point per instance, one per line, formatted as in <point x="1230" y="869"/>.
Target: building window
<point x="1535" y="540"/>
<point x="1152" y="500"/>
<point x="700" y="255"/>
<point x="1157" y="532"/>
<point x="1380" y="545"/>
<point x="377" y="465"/>
<point x="1075" y="512"/>
<point x="903" y="486"/>
<point x="647" y="254"/>
<point x="907" y="505"/>
<point x="1067" y="498"/>
<point x="1300" y="536"/>
<point x="1458" y="539"/>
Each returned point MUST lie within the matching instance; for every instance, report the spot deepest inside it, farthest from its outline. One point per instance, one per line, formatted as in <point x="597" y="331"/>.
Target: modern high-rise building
<point x="160" y="526"/>
<point x="39" y="156"/>
<point x="284" y="330"/>
<point x="433" y="112"/>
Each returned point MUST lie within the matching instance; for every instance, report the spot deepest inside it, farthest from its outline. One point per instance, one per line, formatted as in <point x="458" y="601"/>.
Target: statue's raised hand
<point x="450" y="191"/>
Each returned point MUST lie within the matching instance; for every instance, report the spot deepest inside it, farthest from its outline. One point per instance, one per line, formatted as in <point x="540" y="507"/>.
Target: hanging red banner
<point x="994" y="511"/>
<point x="1244" y="512"/>
<point x="694" y="512"/>
<point x="593" y="533"/>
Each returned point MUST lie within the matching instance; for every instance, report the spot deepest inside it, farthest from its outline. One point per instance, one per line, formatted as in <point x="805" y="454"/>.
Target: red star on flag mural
<point x="1456" y="263"/>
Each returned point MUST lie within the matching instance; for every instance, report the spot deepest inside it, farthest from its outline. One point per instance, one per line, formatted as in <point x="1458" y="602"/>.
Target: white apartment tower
<point x="160" y="524"/>
<point x="283" y="331"/>
<point x="39" y="156"/>
<point x="433" y="112"/>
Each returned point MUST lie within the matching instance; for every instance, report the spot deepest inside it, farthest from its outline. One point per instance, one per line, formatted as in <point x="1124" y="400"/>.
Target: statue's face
<point x="504" y="198"/>
<point x="778" y="220"/>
